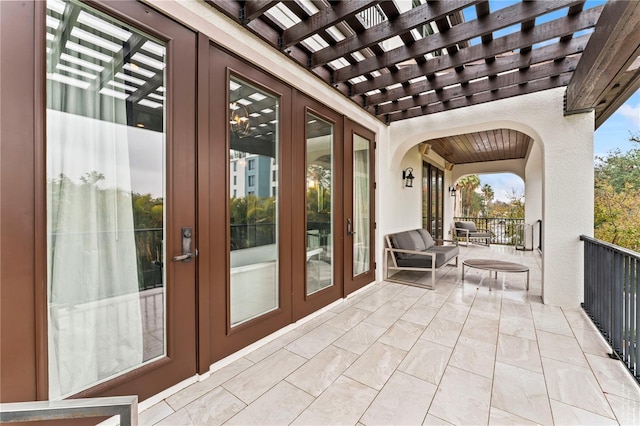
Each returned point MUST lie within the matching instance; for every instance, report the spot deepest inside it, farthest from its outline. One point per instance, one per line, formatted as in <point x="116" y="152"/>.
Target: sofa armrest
<point x="464" y="231"/>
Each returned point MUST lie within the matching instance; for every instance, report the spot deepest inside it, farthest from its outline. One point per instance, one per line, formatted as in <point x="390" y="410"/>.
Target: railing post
<point x="617" y="307"/>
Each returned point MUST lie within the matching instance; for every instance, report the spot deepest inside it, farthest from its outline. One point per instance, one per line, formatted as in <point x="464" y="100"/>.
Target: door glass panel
<point x="105" y="197"/>
<point x="319" y="203"/>
<point x="434" y="202"/>
<point x="361" y="195"/>
<point x="253" y="214"/>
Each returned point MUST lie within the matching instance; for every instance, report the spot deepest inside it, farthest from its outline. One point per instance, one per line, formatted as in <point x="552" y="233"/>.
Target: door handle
<point x="187" y="242"/>
<point x="349" y="231"/>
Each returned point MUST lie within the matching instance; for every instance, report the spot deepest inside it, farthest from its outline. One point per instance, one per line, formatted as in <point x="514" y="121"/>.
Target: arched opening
<point x="496" y="202"/>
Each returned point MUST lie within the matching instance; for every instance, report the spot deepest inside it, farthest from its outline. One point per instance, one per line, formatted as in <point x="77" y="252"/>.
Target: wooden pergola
<point x="430" y="58"/>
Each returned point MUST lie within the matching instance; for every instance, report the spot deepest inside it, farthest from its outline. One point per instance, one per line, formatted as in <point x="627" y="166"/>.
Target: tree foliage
<point x="477" y="201"/>
<point x="470" y="199"/>
<point x="617" y="198"/>
<point x="513" y="209"/>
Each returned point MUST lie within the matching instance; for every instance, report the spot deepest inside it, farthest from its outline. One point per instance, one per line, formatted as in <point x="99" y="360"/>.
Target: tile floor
<point x="403" y="355"/>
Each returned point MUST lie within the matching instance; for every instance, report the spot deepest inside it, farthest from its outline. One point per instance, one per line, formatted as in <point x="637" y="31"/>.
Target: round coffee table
<point x="495" y="266"/>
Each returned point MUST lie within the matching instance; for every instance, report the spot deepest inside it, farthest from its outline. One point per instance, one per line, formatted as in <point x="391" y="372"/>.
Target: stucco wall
<point x="561" y="170"/>
<point x="533" y="191"/>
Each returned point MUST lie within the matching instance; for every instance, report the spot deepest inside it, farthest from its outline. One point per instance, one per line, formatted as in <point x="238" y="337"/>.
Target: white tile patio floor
<point x="397" y="354"/>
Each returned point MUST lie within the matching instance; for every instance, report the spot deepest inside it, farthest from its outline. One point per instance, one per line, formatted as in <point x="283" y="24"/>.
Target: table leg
<point x="527" y="280"/>
<point x="463" y="272"/>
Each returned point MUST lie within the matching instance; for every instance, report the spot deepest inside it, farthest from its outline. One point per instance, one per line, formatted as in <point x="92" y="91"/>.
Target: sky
<point x="613" y="133"/>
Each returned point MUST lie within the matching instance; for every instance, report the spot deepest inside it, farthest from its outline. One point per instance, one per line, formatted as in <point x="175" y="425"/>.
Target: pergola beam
<point x="542" y="32"/>
<point x="412" y="18"/>
<point x="540" y="71"/>
<point x="465" y="101"/>
<point x="255" y="8"/>
<point x="612" y="49"/>
<point x="478" y="70"/>
<point x="324" y="19"/>
<point x="511" y="15"/>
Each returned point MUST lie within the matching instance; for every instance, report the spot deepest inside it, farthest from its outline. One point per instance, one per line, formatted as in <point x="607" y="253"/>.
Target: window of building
<point x="252" y="180"/>
<point x="251" y="164"/>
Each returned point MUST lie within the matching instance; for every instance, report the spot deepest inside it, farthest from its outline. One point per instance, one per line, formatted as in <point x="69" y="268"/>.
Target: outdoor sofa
<point x="416" y="250"/>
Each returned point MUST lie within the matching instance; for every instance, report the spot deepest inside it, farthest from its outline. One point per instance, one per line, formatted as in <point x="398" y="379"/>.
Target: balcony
<point x="396" y="354"/>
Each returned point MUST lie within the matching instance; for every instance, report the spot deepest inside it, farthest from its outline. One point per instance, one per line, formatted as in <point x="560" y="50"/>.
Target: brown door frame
<point x="352" y="283"/>
<point x="24" y="143"/>
<point x="22" y="240"/>
<point x="223" y="339"/>
<point x="428" y="170"/>
<point x="302" y="304"/>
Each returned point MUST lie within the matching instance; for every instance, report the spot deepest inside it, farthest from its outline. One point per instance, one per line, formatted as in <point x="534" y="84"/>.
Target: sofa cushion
<point x="470" y="226"/>
<point x="426" y="236"/>
<point x="443" y="255"/>
<point x="407" y="240"/>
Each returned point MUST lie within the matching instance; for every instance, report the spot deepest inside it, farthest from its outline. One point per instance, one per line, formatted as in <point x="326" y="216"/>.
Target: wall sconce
<point x="452" y="191"/>
<point x="407" y="177"/>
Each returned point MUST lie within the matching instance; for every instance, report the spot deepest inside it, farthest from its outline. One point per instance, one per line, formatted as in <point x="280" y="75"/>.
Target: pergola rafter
<point x="395" y="73"/>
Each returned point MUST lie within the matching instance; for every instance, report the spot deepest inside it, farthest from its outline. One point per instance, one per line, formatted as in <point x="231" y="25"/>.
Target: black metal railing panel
<point x="611" y="281"/>
<point x="505" y="231"/>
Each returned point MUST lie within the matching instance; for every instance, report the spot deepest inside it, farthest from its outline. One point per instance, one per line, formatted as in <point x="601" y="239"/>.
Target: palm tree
<point x="488" y="193"/>
<point x="469" y="185"/>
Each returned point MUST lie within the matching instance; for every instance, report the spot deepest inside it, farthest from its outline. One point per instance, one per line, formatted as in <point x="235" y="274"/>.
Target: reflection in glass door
<point x="319" y="202"/>
<point x="359" y="202"/>
<point x="105" y="197"/>
<point x="361" y="206"/>
<point x="253" y="207"/>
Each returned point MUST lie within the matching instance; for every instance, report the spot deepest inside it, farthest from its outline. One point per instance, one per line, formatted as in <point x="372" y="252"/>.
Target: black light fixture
<point x="452" y="191"/>
<point x="407" y="177"/>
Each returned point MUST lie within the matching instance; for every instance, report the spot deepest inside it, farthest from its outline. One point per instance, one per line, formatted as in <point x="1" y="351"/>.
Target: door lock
<point x="187" y="246"/>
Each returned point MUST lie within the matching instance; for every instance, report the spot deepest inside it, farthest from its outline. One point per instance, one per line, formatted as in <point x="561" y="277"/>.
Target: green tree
<point x="617" y="197"/>
<point x="513" y="209"/>
<point x="619" y="168"/>
<point x="488" y="195"/>
<point x="471" y="201"/>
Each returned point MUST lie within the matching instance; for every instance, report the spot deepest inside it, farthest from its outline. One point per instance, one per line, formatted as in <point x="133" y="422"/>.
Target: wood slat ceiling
<point x="428" y="59"/>
<point x="492" y="145"/>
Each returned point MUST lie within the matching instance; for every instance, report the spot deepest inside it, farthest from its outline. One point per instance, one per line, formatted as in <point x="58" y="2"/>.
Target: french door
<point x="249" y="193"/>
<point x="359" y="203"/>
<point x="120" y="170"/>
<point x="318" y="239"/>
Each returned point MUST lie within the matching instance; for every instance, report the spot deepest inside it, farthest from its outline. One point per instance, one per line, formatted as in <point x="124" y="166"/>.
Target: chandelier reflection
<point x="239" y="119"/>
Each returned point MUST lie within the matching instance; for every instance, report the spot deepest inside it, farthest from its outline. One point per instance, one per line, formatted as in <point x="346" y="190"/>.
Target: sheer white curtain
<point x="95" y="328"/>
<point x="361" y="187"/>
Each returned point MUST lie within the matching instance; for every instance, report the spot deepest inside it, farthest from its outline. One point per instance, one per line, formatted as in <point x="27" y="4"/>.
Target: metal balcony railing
<point x="506" y="231"/>
<point x="611" y="281"/>
<point x="124" y="406"/>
